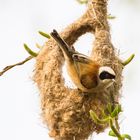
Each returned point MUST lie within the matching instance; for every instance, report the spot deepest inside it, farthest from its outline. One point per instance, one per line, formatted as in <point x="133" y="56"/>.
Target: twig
<point x="17" y="64"/>
<point x="117" y="124"/>
<point x="116" y="132"/>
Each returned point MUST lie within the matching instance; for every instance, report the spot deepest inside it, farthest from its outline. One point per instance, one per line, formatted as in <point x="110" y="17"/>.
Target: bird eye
<point x="105" y="75"/>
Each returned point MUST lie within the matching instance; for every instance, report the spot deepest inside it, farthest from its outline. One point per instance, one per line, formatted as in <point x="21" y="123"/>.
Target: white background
<point x="20" y="21"/>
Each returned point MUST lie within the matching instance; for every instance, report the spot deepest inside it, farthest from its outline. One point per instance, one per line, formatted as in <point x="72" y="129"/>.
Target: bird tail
<point x="62" y="44"/>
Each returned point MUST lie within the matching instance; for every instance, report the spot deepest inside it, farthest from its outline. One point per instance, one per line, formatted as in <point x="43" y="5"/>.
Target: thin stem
<point x="17" y="64"/>
<point x="116" y="118"/>
<point x="117" y="124"/>
<point x="116" y="132"/>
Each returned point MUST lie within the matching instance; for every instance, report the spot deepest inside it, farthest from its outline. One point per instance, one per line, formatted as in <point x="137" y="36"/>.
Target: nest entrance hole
<point x="83" y="45"/>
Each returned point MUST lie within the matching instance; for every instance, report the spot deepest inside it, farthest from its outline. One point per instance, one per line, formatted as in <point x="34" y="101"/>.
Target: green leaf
<point x="116" y="111"/>
<point x="126" y="136"/>
<point x="38" y="46"/>
<point x="104" y="113"/>
<point x="111" y="133"/>
<point x="96" y="119"/>
<point x="110" y="108"/>
<point x="126" y="62"/>
<point x="82" y="1"/>
<point x="32" y="53"/>
<point x="110" y="16"/>
<point x="44" y="34"/>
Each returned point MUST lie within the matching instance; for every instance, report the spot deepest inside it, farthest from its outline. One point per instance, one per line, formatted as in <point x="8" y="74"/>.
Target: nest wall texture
<point x="65" y="110"/>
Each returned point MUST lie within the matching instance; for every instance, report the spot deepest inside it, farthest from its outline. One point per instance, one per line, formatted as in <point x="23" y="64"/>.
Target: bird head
<point x="106" y="76"/>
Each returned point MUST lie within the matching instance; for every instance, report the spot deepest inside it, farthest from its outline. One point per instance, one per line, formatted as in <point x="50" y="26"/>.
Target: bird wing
<point x="87" y="71"/>
<point x="78" y="57"/>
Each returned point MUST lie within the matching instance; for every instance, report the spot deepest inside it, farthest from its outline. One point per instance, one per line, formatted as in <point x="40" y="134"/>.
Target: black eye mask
<point x="106" y="75"/>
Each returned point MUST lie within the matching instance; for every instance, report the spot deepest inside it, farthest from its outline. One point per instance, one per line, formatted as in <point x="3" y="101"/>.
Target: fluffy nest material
<point x="65" y="110"/>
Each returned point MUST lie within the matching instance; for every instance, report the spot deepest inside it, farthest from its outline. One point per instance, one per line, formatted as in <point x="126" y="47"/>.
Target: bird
<point x="85" y="73"/>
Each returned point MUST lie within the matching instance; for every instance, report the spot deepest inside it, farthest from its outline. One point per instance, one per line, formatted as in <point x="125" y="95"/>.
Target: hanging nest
<point x="66" y="111"/>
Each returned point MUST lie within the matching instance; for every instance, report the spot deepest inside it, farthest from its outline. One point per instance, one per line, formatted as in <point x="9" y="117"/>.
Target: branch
<point x="116" y="132"/>
<point x="14" y="65"/>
